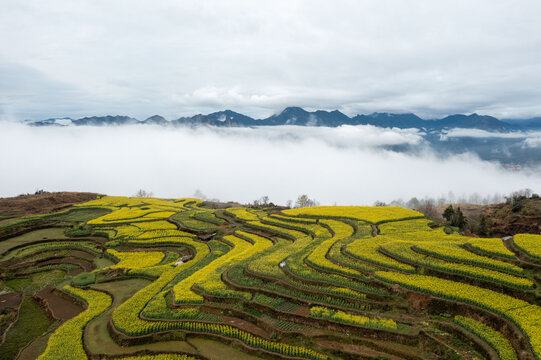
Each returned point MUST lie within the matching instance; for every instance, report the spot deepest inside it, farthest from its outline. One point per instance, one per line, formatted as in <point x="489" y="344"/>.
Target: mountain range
<point x="300" y="117"/>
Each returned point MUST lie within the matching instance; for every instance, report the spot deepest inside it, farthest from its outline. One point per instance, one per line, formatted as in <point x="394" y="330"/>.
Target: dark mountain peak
<point x="473" y="121"/>
<point x="289" y="116"/>
<point x="63" y="121"/>
<point x="294" y="111"/>
<point x="106" y="120"/>
<point x="230" y="115"/>
<point x="393" y="115"/>
<point x="233" y="113"/>
<point x="156" y="120"/>
<point x="290" y="109"/>
<point x="334" y="112"/>
<point x="385" y="119"/>
<point x="471" y="116"/>
<point x="378" y="115"/>
<point x="298" y="116"/>
<point x="219" y="118"/>
<point x="531" y="123"/>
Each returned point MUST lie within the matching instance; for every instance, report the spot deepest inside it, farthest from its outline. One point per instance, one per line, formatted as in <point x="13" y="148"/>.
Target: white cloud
<point x="478" y="133"/>
<point x="179" y="58"/>
<point x="530" y="139"/>
<point x="533" y="142"/>
<point x="347" y="136"/>
<point x="241" y="164"/>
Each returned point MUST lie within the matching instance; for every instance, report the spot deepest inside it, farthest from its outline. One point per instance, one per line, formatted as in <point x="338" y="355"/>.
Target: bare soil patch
<point x="10" y="301"/>
<point x="362" y="350"/>
<point x="59" y="307"/>
<point x="302" y="311"/>
<point x="82" y="254"/>
<point x="245" y="325"/>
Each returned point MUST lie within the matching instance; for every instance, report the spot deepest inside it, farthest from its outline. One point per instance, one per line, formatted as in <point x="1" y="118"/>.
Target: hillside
<point x="40" y="203"/>
<point x="505" y="219"/>
<point x="145" y="278"/>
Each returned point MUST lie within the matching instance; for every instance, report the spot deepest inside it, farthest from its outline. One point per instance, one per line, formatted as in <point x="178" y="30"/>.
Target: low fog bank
<point x="530" y="139"/>
<point x="346" y="165"/>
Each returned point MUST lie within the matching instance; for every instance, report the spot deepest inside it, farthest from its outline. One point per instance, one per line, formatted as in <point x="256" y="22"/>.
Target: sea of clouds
<point x="344" y="165"/>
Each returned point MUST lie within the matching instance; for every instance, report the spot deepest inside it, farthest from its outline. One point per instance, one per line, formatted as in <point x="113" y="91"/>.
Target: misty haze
<point x="346" y="165"/>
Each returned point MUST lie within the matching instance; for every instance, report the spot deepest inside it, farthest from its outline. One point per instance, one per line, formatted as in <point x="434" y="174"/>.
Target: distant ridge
<point x="300" y="117"/>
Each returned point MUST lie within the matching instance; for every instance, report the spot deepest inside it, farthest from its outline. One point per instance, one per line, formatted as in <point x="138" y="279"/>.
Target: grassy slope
<point x="32" y="322"/>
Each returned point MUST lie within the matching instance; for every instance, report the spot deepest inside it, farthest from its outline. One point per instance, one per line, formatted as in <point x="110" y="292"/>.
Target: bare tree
<point x="475" y="198"/>
<point x="413" y="203"/>
<point x="305" y="201"/>
<point x="428" y="208"/>
<point x="262" y="202"/>
<point x="144" y="193"/>
<point x="199" y="195"/>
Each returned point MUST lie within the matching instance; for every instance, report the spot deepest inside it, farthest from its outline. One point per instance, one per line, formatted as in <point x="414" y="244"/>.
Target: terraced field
<point x="145" y="278"/>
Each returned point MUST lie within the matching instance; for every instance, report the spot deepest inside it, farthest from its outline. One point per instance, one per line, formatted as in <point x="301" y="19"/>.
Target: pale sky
<point x="140" y="58"/>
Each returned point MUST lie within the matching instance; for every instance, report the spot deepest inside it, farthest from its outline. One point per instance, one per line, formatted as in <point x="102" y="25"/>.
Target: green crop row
<point x="403" y="251"/>
<point x="491" y="336"/>
<point x="321" y="312"/>
<point x="525" y="315"/>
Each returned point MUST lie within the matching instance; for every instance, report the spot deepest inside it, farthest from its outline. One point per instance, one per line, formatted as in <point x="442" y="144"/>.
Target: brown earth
<point x="502" y="220"/>
<point x="505" y="222"/>
<point x="245" y="325"/>
<point x="302" y="311"/>
<point x="59" y="306"/>
<point x="24" y="205"/>
<point x="364" y="351"/>
<point x="418" y="302"/>
<point x="10" y="301"/>
<point x="81" y="254"/>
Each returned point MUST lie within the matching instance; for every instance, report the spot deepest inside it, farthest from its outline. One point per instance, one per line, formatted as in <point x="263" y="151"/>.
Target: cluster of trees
<point x="518" y="199"/>
<point x="426" y="206"/>
<point x="455" y="217"/>
<point x="475" y="198"/>
<point x="305" y="201"/>
<point x="262" y="202"/>
<point x="144" y="193"/>
<point x="302" y="201"/>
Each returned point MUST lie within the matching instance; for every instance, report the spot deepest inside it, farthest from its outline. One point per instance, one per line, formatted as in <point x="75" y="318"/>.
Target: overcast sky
<point x="139" y="58"/>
